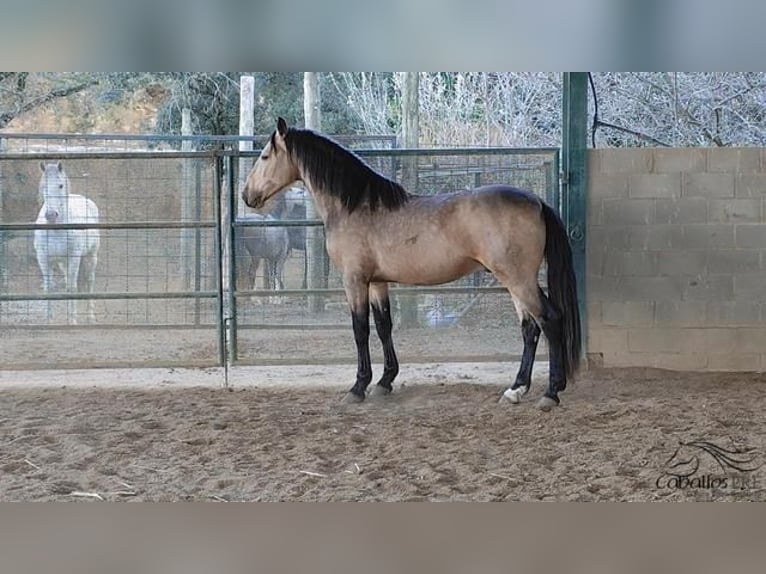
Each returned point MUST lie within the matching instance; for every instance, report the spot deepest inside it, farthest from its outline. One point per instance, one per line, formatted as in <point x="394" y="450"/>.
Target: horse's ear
<point x="60" y="166"/>
<point x="281" y="126"/>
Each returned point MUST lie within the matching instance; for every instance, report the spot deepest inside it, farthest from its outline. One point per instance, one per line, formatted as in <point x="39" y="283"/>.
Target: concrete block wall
<point x="676" y="266"/>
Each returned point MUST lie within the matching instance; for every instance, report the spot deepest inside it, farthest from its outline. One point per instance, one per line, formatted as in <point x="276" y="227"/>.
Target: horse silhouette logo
<point x="691" y="457"/>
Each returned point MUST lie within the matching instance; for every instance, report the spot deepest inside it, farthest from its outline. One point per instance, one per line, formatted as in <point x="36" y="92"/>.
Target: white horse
<point x="73" y="252"/>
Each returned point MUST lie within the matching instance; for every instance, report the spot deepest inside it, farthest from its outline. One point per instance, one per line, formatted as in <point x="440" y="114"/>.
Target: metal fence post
<point x="219" y="245"/>
<point x="231" y="229"/>
<point x="574" y="198"/>
<point x="187" y="201"/>
<point x="3" y="235"/>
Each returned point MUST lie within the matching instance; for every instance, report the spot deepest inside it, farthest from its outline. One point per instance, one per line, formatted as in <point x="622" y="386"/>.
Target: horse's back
<point x="264" y="241"/>
<point x="505" y="195"/>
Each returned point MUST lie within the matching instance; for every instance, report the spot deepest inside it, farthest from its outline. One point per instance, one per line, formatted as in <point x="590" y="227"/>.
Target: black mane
<point x="342" y="173"/>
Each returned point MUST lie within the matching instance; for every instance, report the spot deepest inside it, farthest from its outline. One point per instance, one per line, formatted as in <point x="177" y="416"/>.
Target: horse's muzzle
<point x="254" y="203"/>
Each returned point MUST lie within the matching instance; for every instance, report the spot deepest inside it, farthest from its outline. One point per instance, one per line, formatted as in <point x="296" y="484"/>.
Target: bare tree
<point x="22" y="92"/>
<point x="372" y="97"/>
<point x="456" y="108"/>
<point x="524" y="108"/>
<point x="681" y="108"/>
<point x="496" y="108"/>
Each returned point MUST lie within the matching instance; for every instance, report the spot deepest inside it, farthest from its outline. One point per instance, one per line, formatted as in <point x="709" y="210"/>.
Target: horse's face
<point x="53" y="189"/>
<point x="272" y="172"/>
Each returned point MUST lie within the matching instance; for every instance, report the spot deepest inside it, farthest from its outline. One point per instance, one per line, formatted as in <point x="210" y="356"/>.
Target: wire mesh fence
<point x="159" y="295"/>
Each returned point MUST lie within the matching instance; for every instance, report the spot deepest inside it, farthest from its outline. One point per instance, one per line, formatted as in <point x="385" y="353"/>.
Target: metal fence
<point x="166" y="291"/>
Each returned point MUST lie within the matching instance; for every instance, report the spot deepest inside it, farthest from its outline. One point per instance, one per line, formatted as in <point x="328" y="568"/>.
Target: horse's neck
<point x="327" y="206"/>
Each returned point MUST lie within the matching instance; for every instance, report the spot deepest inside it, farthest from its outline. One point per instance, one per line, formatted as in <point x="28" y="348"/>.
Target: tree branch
<point x="7" y="117"/>
<point x="635" y="133"/>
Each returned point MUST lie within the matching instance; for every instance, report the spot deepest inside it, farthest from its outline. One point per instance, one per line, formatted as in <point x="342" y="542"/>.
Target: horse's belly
<point x="424" y="268"/>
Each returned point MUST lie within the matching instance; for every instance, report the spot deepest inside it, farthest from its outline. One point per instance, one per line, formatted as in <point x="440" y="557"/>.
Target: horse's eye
<point x="264" y="157"/>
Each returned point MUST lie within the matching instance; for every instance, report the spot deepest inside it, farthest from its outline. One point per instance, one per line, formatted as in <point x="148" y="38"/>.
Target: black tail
<point x="562" y="287"/>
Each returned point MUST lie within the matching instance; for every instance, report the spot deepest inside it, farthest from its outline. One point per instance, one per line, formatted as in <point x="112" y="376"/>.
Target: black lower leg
<point x="381" y="311"/>
<point x="360" y="319"/>
<point x="551" y="322"/>
<point x="530" y="332"/>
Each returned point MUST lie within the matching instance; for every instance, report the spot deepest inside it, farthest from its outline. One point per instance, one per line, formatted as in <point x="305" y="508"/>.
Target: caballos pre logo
<point x="701" y="464"/>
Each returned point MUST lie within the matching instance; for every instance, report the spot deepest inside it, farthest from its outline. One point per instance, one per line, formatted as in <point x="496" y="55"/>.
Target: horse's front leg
<point x="381" y="311"/>
<point x="268" y="279"/>
<point x="252" y="273"/>
<point x="275" y="270"/>
<point x="359" y="304"/>
<point x="70" y="277"/>
<point x="47" y="273"/>
<point x="88" y="273"/>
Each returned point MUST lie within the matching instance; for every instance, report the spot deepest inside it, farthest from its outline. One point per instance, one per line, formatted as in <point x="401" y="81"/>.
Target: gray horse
<point x="270" y="244"/>
<point x="291" y="205"/>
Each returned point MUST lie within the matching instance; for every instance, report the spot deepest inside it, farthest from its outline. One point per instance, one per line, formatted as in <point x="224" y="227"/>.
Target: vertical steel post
<point x="316" y="251"/>
<point x="408" y="304"/>
<point x="230" y="216"/>
<point x="220" y="321"/>
<point x="197" y="238"/>
<point x="187" y="192"/>
<point x="3" y="234"/>
<point x="574" y="196"/>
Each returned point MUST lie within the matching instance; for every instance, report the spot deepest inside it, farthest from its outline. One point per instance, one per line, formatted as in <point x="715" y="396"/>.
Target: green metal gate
<point x="166" y="289"/>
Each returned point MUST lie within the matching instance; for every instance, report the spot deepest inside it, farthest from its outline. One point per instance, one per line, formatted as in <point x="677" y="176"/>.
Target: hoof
<point x="352" y="399"/>
<point x="380" y="391"/>
<point x="546" y="403"/>
<point x="513" y="396"/>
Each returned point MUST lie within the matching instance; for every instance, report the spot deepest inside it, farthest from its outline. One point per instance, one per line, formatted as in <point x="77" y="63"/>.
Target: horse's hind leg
<point x="381" y="311"/>
<point x="530" y="332"/>
<point x="536" y="305"/>
<point x="552" y="323"/>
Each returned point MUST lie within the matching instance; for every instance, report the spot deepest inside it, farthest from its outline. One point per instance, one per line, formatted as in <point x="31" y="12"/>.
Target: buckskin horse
<point x="376" y="233"/>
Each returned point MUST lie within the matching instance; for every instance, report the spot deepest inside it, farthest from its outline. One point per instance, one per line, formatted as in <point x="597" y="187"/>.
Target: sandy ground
<point x="282" y="433"/>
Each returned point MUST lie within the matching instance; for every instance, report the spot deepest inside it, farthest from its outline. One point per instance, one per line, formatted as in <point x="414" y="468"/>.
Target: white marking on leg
<point x="514" y="395"/>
